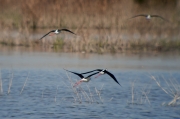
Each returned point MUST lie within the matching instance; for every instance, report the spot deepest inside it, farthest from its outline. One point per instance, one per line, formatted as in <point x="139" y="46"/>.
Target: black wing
<point x="92" y="71"/>
<point x="112" y="76"/>
<point x="138" y="16"/>
<point x="47" y="34"/>
<point x="66" y="30"/>
<point x="159" y="17"/>
<point x="80" y="75"/>
<point x="92" y="74"/>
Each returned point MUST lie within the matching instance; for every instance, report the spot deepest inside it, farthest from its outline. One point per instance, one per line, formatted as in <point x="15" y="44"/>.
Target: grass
<point x="80" y="14"/>
<point x="106" y="19"/>
<point x="24" y="83"/>
<point x="58" y="44"/>
<point x="170" y="86"/>
<point x="10" y="82"/>
<point x="1" y="84"/>
<point x="139" y="96"/>
<point x="99" y="46"/>
<point x="85" y="93"/>
<point x="155" y="45"/>
<point x="172" y="89"/>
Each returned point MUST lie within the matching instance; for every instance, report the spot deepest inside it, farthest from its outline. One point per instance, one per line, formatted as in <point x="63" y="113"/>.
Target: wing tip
<point x="120" y="84"/>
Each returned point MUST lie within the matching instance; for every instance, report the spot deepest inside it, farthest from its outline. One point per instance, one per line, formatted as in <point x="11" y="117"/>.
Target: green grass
<point x="58" y="44"/>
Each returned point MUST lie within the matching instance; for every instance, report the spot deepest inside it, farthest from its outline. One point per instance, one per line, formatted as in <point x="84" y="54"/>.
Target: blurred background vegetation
<point x="86" y="17"/>
<point x="75" y="13"/>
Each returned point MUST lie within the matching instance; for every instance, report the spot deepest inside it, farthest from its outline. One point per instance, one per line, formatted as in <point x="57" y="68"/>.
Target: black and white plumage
<point x="53" y="32"/>
<point x="83" y="79"/>
<point x="148" y="16"/>
<point x="103" y="71"/>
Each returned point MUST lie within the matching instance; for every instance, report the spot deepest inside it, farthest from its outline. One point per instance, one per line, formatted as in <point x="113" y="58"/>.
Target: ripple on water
<point x="43" y="100"/>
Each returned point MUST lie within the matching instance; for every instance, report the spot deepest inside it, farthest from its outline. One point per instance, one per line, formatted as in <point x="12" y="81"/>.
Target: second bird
<point x="102" y="72"/>
<point x="53" y="32"/>
<point x="83" y="79"/>
<point x="148" y="16"/>
<point x="97" y="71"/>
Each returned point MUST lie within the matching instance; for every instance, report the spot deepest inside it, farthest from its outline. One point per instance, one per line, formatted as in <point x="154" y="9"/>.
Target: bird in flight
<point x="148" y="16"/>
<point x="102" y="72"/>
<point x="53" y="32"/>
<point x="83" y="79"/>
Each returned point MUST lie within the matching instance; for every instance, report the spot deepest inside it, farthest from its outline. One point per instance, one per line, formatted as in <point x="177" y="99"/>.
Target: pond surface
<point x="34" y="85"/>
<point x="81" y="61"/>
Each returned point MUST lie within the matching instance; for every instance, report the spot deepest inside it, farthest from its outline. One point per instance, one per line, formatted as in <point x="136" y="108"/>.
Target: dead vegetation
<point x="102" y="25"/>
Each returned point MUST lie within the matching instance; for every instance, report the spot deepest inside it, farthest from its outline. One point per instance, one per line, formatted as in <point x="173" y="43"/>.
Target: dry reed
<point x="24" y="83"/>
<point x="1" y="84"/>
<point x="85" y="93"/>
<point x="102" y="25"/>
<point x="10" y="82"/>
<point x="139" y="96"/>
<point x="172" y="89"/>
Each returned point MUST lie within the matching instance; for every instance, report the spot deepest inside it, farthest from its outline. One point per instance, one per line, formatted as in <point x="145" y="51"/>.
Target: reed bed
<point x="101" y="26"/>
<point x="87" y="43"/>
<point x="81" y="14"/>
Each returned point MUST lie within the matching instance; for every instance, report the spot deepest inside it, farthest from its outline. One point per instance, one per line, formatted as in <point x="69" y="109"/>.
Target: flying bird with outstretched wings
<point x="148" y="16"/>
<point x="53" y="32"/>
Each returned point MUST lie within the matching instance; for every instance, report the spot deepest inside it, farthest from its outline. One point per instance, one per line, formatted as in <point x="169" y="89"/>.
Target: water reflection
<point x="123" y="61"/>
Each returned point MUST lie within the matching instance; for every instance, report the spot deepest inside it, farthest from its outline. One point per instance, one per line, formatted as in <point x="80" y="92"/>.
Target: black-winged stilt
<point x="103" y="71"/>
<point x="83" y="79"/>
<point x="148" y="16"/>
<point x="53" y="32"/>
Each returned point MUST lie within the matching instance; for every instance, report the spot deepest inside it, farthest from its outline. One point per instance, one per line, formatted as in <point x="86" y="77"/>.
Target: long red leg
<point x="98" y="75"/>
<point x="77" y="83"/>
<point x="51" y="34"/>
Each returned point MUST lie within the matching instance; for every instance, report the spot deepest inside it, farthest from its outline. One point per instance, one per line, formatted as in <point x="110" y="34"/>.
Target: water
<point x="47" y="93"/>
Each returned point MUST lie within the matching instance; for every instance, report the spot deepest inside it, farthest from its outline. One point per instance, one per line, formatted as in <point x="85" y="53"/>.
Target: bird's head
<point x="103" y="71"/>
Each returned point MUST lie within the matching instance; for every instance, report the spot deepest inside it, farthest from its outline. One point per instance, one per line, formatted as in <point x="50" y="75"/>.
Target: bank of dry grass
<point x="78" y="13"/>
<point x="103" y="17"/>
